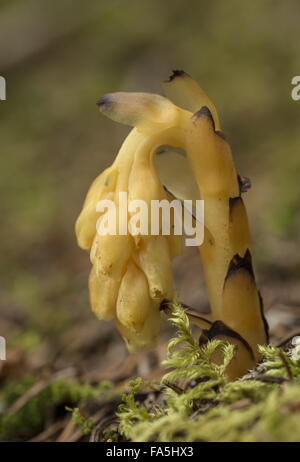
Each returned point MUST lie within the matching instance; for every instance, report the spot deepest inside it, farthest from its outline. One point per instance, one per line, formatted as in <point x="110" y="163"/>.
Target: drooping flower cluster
<point x="131" y="273"/>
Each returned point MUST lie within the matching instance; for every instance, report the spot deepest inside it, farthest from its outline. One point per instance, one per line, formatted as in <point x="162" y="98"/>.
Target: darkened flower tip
<point x="104" y="102"/>
<point x="176" y="73"/>
<point x="204" y="112"/>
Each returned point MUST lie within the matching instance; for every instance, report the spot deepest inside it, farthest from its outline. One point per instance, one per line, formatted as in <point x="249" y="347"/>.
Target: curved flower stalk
<point x="174" y="150"/>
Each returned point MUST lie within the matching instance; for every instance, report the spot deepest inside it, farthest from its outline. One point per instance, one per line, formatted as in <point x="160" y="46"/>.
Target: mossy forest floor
<point x="183" y="397"/>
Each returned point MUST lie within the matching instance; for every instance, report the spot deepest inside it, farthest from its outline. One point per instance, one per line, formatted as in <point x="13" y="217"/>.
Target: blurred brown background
<point x="59" y="57"/>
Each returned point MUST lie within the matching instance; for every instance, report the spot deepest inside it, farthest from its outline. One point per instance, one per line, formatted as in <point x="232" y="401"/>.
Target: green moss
<point x="86" y="423"/>
<point x="201" y="405"/>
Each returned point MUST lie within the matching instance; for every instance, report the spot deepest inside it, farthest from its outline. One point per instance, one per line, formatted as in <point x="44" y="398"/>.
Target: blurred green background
<point x="59" y="57"/>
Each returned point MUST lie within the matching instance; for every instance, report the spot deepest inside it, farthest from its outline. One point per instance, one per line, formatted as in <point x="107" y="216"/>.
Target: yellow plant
<point x="131" y="278"/>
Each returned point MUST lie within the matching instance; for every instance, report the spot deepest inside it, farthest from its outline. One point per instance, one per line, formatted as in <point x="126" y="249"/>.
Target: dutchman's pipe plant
<point x="175" y="150"/>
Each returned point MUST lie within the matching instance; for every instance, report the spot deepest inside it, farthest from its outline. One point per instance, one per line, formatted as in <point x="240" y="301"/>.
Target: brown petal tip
<point x="104" y="102"/>
<point x="244" y="183"/>
<point x="219" y="329"/>
<point x="175" y="74"/>
<point x="205" y="112"/>
<point x="240" y="263"/>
